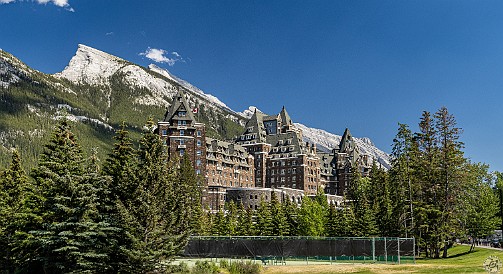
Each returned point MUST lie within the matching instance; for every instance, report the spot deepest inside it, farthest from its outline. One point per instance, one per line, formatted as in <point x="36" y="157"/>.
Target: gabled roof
<point x="285" y="118"/>
<point x="257" y="123"/>
<point x="179" y="104"/>
<point x="347" y="144"/>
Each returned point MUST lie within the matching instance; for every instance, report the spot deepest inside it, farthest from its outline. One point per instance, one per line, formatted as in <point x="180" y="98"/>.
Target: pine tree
<point x="121" y="166"/>
<point x="311" y="218"/>
<point x="189" y="188"/>
<point x="18" y="202"/>
<point x="245" y="221"/>
<point x="279" y="221"/>
<point x="68" y="235"/>
<point x="291" y="213"/>
<point x="401" y="182"/>
<point x="157" y="218"/>
<point x="451" y="165"/>
<point x="263" y="225"/>
<point x="479" y="203"/>
<point x="231" y="217"/>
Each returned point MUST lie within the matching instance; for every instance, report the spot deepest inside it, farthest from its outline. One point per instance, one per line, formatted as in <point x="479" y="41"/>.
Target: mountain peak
<point x="91" y="66"/>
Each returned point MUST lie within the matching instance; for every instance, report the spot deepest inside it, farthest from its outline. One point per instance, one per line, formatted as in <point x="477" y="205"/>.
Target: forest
<point x="135" y="211"/>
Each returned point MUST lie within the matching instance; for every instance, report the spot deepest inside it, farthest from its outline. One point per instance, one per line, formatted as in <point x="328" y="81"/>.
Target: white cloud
<point x="59" y="3"/>
<point x="162" y="56"/>
<point x="109" y="33"/>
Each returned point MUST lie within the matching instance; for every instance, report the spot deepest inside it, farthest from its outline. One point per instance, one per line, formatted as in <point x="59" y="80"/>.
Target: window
<point x="179" y="122"/>
<point x="198" y="133"/>
<point x="182" y="132"/>
<point x="198" y="162"/>
<point x="198" y="143"/>
<point x="198" y="171"/>
<point x="198" y="153"/>
<point x="182" y="141"/>
<point x="164" y="132"/>
<point x="182" y="152"/>
<point x="182" y="113"/>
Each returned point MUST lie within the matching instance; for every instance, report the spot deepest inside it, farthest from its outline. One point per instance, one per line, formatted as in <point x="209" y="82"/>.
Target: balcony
<point x="181" y="127"/>
<point x="182" y="146"/>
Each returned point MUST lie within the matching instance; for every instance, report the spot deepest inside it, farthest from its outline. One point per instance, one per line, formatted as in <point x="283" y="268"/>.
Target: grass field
<point x="459" y="261"/>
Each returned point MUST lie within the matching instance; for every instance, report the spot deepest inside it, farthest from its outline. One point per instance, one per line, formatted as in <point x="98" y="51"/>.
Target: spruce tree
<point x="245" y="221"/>
<point x="157" y="218"/>
<point x="279" y="221"/>
<point x="18" y="204"/>
<point x="263" y="225"/>
<point x="291" y="212"/>
<point x="121" y="166"/>
<point x="68" y="235"/>
<point x="311" y="218"/>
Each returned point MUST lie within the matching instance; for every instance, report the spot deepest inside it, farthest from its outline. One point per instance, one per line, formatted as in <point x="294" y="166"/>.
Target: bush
<point x="244" y="268"/>
<point x="205" y="267"/>
<point x="181" y="268"/>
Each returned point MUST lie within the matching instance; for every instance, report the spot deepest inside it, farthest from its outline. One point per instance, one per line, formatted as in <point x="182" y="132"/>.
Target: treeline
<point x="432" y="193"/>
<point x="70" y="215"/>
<point x="135" y="211"/>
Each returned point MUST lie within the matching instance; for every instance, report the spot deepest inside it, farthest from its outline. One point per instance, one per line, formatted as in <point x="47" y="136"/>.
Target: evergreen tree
<point x="121" y="166"/>
<point x="291" y="214"/>
<point x="401" y="182"/>
<point x="480" y="204"/>
<point x="70" y="235"/>
<point x="279" y="221"/>
<point x="157" y="219"/>
<point x="220" y="227"/>
<point x="18" y="202"/>
<point x="365" y="222"/>
<point x="451" y="165"/>
<point x="311" y="218"/>
<point x="189" y="189"/>
<point x="245" y="221"/>
<point x="232" y="216"/>
<point x="263" y="219"/>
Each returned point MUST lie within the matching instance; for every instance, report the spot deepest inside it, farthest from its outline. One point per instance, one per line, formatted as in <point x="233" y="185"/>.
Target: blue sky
<point x="365" y="65"/>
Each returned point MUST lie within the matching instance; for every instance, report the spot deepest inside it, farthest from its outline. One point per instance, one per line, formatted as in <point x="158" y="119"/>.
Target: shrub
<point x="205" y="267"/>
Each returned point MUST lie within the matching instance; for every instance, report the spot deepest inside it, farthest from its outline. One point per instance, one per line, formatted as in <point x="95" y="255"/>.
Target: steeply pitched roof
<point x="179" y="104"/>
<point x="285" y="118"/>
<point x="256" y="122"/>
<point x="347" y="144"/>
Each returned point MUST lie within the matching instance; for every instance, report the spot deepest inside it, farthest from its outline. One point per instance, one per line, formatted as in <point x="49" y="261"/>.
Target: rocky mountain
<point x="99" y="91"/>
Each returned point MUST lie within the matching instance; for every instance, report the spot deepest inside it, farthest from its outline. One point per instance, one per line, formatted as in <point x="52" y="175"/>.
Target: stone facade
<point x="282" y="158"/>
<point x="269" y="156"/>
<point x="183" y="135"/>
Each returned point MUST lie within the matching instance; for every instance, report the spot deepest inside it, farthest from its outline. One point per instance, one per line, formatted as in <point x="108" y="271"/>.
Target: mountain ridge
<point x="103" y="89"/>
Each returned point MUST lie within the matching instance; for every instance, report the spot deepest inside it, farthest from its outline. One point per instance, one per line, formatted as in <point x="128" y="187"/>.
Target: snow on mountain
<point x="248" y="113"/>
<point x="95" y="67"/>
<point x="91" y="66"/>
<point x="329" y="141"/>
<point x="11" y="69"/>
<point x="188" y="86"/>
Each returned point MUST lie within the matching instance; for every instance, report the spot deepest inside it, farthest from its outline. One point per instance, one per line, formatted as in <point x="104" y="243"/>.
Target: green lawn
<point x="459" y="261"/>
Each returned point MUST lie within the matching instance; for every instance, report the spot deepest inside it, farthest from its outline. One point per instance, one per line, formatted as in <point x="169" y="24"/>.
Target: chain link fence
<point x="279" y="249"/>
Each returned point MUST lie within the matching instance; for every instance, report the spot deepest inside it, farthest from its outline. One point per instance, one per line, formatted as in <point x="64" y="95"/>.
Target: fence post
<point x="373" y="249"/>
<point x="385" y="250"/>
<point x="398" y="241"/>
<point x="414" y="249"/>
